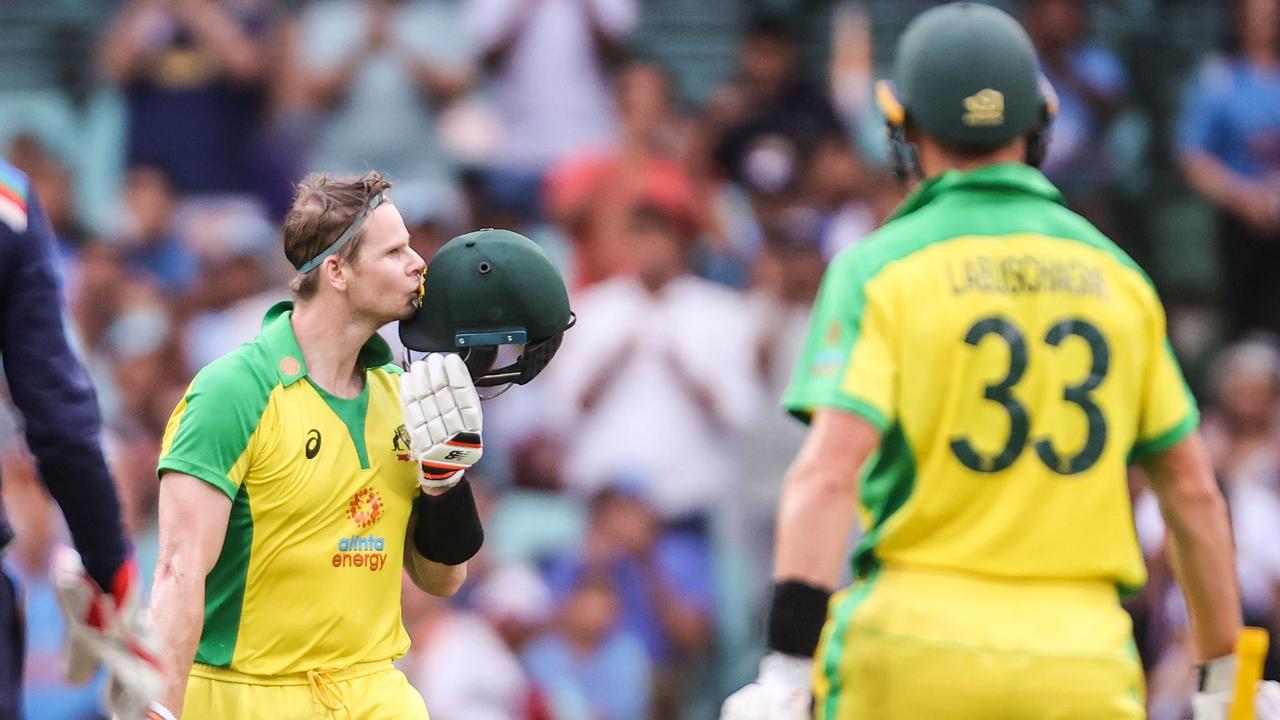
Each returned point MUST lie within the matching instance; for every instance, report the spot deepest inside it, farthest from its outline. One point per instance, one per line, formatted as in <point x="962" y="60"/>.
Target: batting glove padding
<point x="1217" y="681"/>
<point x="105" y="628"/>
<point x="781" y="692"/>
<point x="442" y="415"/>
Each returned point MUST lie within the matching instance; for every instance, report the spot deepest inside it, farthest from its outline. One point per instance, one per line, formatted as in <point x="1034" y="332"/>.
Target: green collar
<point x="277" y="334"/>
<point x="1003" y="177"/>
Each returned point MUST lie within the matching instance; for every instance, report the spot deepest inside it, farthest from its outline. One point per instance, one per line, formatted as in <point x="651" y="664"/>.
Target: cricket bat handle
<point x="1251" y="651"/>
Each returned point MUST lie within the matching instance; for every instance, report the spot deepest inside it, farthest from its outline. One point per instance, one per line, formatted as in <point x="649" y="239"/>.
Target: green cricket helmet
<point x="967" y="74"/>
<point x="487" y="289"/>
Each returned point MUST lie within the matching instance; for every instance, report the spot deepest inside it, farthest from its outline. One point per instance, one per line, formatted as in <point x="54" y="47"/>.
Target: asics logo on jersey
<point x="313" y="443"/>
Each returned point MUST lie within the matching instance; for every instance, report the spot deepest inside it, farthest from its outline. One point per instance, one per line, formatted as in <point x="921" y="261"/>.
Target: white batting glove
<point x="781" y="692"/>
<point x="106" y="628"/>
<point x="442" y="415"/>
<point x="1213" y="701"/>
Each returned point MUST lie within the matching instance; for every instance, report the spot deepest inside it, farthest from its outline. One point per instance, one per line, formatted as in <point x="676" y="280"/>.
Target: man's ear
<point x="334" y="272"/>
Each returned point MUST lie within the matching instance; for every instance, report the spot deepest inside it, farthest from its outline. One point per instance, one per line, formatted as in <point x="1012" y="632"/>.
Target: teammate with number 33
<point x="978" y="376"/>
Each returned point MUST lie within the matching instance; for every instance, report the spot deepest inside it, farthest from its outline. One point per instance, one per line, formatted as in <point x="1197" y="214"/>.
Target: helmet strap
<point x="902" y="154"/>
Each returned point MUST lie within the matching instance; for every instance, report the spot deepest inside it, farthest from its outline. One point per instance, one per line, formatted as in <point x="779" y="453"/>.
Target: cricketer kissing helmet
<point x="967" y="75"/>
<point x="487" y="289"/>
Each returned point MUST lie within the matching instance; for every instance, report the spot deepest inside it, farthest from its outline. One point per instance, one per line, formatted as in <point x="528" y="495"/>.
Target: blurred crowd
<point x="629" y="492"/>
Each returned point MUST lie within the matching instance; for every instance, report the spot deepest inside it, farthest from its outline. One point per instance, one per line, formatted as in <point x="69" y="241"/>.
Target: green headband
<point x="346" y="235"/>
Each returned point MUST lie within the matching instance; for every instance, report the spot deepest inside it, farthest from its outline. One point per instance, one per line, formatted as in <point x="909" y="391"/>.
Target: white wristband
<point x="156" y="710"/>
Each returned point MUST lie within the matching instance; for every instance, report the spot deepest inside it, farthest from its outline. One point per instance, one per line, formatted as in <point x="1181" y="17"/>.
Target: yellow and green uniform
<point x="306" y="590"/>
<point x="1015" y="362"/>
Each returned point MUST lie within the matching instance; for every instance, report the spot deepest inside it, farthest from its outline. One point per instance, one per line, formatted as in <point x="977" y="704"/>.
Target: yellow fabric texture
<point x="928" y="644"/>
<point x="368" y="691"/>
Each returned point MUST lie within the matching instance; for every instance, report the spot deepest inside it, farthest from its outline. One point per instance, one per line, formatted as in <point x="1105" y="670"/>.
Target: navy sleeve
<point x="52" y="391"/>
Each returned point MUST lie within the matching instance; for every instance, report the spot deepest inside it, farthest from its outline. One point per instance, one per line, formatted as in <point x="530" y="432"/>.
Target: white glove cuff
<point x="1217" y="675"/>
<point x="786" y="670"/>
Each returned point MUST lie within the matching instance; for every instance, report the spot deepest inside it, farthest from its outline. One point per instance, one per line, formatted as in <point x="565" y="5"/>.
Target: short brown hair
<point x="323" y="208"/>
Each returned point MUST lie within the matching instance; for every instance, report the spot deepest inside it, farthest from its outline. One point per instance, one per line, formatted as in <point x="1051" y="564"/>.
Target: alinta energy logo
<point x="363" y="550"/>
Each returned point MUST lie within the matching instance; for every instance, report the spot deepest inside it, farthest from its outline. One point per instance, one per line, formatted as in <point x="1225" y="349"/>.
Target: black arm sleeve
<point x="52" y="391"/>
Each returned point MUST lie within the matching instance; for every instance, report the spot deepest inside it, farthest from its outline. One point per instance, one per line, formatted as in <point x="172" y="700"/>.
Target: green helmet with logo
<point x="967" y="74"/>
<point x="487" y="289"/>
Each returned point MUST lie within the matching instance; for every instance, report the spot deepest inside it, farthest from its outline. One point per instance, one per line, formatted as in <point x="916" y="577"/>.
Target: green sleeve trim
<point x="224" y="407"/>
<point x="1167" y="439"/>
<point x="802" y="409"/>
<point x="195" y="470"/>
<point x="224" y="587"/>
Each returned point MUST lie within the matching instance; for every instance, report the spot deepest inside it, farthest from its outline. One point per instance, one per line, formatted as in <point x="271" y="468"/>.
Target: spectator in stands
<point x="548" y="63"/>
<point x="148" y="231"/>
<point x="52" y="184"/>
<point x="1229" y="144"/>
<point x="463" y="664"/>
<point x="785" y="282"/>
<point x="193" y="74"/>
<point x="775" y="115"/>
<point x="851" y="196"/>
<point x="1091" y="84"/>
<point x="663" y="579"/>
<point x="588" y="668"/>
<point x="373" y="77"/>
<point x="660" y="366"/>
<point x="237" y="249"/>
<point x="592" y="192"/>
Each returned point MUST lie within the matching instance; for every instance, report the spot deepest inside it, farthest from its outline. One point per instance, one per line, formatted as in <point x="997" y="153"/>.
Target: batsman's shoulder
<point x="246" y="373"/>
<point x="895" y="240"/>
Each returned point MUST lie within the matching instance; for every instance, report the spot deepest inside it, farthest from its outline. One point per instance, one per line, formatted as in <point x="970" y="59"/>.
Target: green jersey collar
<point x="1002" y="177"/>
<point x="277" y="334"/>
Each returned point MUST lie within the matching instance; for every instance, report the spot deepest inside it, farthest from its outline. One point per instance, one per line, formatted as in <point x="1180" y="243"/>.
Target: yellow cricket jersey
<point x="1016" y="362"/>
<point x="321" y="488"/>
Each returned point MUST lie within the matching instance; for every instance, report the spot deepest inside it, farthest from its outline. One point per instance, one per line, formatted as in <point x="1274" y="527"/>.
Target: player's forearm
<point x="1200" y="544"/>
<point x="816" y="503"/>
<point x="1201" y="554"/>
<point x="435" y="578"/>
<point x="177" y="617"/>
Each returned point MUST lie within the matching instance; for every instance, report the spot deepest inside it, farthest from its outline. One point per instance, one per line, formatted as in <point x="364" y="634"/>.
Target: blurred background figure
<point x="663" y="580"/>
<point x="1090" y="82"/>
<point x="1229" y="145"/>
<point x="586" y="667"/>
<point x="371" y="78"/>
<point x="194" y="75"/>
<point x="463" y="662"/>
<point x="656" y="369"/>
<point x="148" y="230"/>
<point x="547" y="66"/>
<point x="592" y="192"/>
